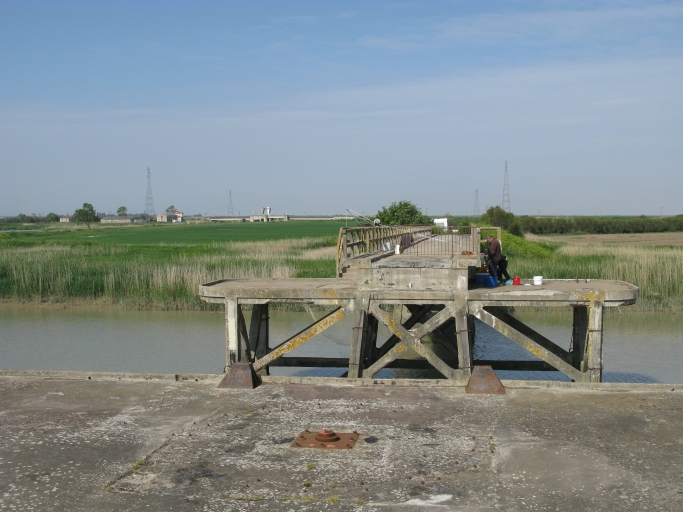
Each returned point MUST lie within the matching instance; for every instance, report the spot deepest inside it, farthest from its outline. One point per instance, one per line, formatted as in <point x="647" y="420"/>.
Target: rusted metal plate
<point x="240" y="376"/>
<point x="326" y="439"/>
<point x="484" y="381"/>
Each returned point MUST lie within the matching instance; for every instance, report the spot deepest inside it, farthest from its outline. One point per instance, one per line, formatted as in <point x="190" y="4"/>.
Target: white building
<point x="176" y="216"/>
<point x="122" y="219"/>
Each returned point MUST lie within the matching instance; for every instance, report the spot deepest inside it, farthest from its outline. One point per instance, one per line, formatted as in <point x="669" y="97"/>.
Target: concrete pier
<point x="80" y="441"/>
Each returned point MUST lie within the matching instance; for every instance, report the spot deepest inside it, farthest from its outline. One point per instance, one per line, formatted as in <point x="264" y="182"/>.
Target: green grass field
<point x="154" y="234"/>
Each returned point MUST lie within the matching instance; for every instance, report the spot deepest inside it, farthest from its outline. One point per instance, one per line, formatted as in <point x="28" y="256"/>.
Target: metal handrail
<point x="357" y="241"/>
<point x="361" y="241"/>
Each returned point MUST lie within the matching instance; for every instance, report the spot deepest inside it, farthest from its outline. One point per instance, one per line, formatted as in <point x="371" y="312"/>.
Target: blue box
<point x="491" y="282"/>
<point x="480" y="278"/>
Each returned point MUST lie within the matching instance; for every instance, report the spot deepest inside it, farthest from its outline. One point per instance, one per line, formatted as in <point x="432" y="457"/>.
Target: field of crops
<point x="154" y="234"/>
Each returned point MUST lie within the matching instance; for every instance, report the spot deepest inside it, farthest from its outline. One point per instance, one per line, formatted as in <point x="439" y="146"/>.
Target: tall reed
<point x="61" y="273"/>
<point x="658" y="271"/>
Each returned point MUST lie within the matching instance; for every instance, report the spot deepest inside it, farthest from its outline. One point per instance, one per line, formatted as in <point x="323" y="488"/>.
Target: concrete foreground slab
<point x="134" y="444"/>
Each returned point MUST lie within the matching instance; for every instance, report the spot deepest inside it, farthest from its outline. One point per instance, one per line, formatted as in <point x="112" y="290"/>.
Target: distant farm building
<point x="65" y="218"/>
<point x="170" y="217"/>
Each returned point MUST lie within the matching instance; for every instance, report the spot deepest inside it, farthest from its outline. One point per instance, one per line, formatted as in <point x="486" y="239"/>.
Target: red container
<point x="516" y="281"/>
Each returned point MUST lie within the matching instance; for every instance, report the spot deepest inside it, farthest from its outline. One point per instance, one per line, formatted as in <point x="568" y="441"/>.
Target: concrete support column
<point x="231" y="333"/>
<point x="579" y="338"/>
<point x="463" y="337"/>
<point x="594" y="344"/>
<point x="358" y="343"/>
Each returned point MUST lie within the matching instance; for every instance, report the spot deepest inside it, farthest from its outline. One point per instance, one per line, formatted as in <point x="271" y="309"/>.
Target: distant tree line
<point x="496" y="216"/>
<point x="30" y="219"/>
<point x="85" y="215"/>
<point x="545" y="225"/>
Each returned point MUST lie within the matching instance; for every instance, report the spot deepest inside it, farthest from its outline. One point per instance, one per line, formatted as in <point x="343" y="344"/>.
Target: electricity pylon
<point x="149" y="202"/>
<point x="506" y="190"/>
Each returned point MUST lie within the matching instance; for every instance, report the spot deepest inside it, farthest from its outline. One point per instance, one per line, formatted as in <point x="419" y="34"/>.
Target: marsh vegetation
<point x="161" y="267"/>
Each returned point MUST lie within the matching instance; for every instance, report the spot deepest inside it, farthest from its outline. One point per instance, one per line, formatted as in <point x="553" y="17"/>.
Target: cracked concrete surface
<point x="130" y="444"/>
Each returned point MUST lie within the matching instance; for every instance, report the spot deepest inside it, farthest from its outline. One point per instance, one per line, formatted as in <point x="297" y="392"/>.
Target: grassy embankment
<point x="161" y="266"/>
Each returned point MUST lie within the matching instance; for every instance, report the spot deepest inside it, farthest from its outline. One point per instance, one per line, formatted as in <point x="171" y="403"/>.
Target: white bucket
<point x="398" y="249"/>
<point x="538" y="280"/>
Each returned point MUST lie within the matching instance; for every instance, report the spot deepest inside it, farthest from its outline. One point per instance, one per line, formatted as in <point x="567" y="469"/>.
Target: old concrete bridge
<point x="427" y="298"/>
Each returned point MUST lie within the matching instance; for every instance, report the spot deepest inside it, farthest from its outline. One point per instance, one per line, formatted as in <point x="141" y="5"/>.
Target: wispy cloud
<point x="567" y="26"/>
<point x="653" y="28"/>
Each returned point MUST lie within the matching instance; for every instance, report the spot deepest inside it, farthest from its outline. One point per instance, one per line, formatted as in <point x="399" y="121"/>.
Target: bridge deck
<point x="611" y="293"/>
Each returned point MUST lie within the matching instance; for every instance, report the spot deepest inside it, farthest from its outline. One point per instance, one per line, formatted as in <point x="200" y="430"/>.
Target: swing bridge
<point x="426" y="296"/>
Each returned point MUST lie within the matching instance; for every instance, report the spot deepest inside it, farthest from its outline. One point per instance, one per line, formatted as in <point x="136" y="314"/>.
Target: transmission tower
<point x="149" y="202"/>
<point x="230" y="213"/>
<point x="476" y="212"/>
<point x="506" y="190"/>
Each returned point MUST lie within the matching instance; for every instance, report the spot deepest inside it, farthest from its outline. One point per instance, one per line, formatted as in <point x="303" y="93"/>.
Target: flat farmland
<point x="627" y="239"/>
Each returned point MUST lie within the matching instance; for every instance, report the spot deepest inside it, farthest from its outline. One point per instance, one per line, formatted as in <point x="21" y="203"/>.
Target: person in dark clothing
<point x="503" y="269"/>
<point x="493" y="255"/>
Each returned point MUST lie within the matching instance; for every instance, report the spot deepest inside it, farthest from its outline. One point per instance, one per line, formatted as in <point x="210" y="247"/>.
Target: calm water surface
<point x="638" y="347"/>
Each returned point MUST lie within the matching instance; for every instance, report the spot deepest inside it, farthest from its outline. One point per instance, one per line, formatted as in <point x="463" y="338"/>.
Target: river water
<point x="638" y="347"/>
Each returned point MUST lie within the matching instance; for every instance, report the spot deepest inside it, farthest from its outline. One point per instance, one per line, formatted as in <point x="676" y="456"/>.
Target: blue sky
<point x="323" y="106"/>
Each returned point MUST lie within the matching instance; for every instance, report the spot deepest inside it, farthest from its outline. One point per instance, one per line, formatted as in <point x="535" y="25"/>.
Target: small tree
<point x="170" y="209"/>
<point x="496" y="216"/>
<point x="85" y="215"/>
<point x="122" y="211"/>
<point x="402" y="213"/>
<point x="52" y="217"/>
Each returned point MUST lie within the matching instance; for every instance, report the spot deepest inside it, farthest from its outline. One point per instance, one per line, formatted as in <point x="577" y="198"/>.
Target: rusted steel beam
<point x="300" y="338"/>
<point x="393" y="354"/>
<point x="415" y="317"/>
<point x="437" y="362"/>
<point x="409" y="340"/>
<point x="530" y="333"/>
<point x="431" y="324"/>
<point x="530" y="345"/>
